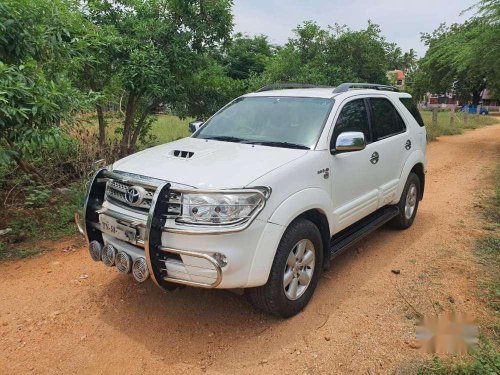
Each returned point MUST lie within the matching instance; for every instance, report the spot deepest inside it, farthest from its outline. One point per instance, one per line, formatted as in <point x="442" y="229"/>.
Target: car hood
<point x="207" y="164"/>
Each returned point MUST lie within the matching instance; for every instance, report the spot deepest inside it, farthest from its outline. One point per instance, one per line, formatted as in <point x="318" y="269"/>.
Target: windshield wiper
<point x="279" y="144"/>
<point x="226" y="138"/>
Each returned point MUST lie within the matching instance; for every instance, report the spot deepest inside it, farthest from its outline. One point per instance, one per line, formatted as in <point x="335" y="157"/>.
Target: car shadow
<point x="200" y="326"/>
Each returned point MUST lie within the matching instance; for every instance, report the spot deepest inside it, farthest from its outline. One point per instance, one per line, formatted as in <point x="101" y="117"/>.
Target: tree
<point x="209" y="88"/>
<point x="328" y="57"/>
<point x="399" y="60"/>
<point x="95" y="72"/>
<point x="162" y="45"/>
<point x="464" y="57"/>
<point x="37" y="38"/>
<point x="244" y="56"/>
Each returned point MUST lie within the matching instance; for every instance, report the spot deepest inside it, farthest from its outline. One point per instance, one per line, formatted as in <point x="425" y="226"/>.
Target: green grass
<point x="169" y="128"/>
<point x="485" y="358"/>
<point x="491" y="209"/>
<point x="17" y="252"/>
<point x="50" y="222"/>
<point x="444" y="127"/>
<point x="488" y="253"/>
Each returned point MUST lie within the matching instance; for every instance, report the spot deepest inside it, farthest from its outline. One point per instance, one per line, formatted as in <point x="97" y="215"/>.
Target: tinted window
<point x="352" y="118"/>
<point x="386" y="119"/>
<point x="270" y="119"/>
<point x="412" y="108"/>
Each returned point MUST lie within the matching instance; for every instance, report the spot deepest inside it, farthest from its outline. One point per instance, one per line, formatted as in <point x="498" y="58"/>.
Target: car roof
<point x="323" y="92"/>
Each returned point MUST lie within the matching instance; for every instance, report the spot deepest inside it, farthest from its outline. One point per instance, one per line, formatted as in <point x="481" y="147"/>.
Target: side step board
<point x="352" y="234"/>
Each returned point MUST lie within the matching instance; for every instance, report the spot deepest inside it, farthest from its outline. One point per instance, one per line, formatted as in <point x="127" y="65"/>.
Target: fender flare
<point x="288" y="210"/>
<point x="300" y="202"/>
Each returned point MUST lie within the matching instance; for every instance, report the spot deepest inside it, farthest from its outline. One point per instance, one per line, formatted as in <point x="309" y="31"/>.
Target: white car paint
<point x="352" y="188"/>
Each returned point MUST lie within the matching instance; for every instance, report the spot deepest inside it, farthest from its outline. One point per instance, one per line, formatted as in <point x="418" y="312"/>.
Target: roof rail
<point x="277" y="86"/>
<point x="347" y="86"/>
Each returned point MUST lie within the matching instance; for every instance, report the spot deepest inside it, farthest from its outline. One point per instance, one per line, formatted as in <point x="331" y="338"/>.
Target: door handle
<point x="374" y="158"/>
<point x="408" y="144"/>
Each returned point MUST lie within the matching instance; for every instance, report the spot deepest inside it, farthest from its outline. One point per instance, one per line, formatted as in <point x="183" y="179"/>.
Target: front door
<point x="355" y="178"/>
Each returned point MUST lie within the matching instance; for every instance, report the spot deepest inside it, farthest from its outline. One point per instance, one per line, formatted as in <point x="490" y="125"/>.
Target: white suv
<point x="264" y="194"/>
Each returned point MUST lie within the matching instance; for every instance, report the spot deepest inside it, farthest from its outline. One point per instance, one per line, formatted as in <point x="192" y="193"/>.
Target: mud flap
<point x="152" y="237"/>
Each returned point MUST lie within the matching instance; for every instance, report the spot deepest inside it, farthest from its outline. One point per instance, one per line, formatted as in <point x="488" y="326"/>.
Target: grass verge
<point x="485" y="358"/>
<point x="461" y="123"/>
<point x="52" y="221"/>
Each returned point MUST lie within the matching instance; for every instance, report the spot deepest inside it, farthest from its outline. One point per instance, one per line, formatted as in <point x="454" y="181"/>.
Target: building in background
<point x="396" y="78"/>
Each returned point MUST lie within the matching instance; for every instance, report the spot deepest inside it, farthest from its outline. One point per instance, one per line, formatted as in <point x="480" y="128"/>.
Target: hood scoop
<point x="181" y="154"/>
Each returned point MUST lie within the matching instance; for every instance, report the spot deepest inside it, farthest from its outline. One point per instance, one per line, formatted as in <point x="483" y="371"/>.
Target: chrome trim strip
<point x="214" y="263"/>
<point x="146" y="182"/>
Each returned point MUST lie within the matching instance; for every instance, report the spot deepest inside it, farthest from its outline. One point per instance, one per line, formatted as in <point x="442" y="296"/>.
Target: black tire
<point x="403" y="221"/>
<point x="271" y="297"/>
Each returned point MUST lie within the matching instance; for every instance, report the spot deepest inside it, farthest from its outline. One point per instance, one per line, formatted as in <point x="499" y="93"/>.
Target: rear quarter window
<point x="410" y="105"/>
<point x="386" y="120"/>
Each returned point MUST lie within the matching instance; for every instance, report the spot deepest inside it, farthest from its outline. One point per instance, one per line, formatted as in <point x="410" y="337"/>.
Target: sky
<point x="401" y="21"/>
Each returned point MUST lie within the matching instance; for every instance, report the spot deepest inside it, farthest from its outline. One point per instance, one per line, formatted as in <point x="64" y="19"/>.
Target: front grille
<point x="116" y="193"/>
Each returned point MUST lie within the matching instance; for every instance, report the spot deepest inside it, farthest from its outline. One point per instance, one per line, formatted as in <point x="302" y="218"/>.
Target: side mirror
<point x="348" y="142"/>
<point x="195" y="125"/>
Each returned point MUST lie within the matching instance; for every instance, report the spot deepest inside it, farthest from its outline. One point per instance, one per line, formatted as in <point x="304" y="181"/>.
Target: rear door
<point x="391" y="145"/>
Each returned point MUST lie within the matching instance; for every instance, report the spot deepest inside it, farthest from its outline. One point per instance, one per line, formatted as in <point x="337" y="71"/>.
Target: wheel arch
<point x="319" y="218"/>
<point x="416" y="164"/>
<point x="418" y="169"/>
<point x="313" y="204"/>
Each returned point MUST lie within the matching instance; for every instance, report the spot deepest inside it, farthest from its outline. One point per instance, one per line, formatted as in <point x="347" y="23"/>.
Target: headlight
<point x="221" y="208"/>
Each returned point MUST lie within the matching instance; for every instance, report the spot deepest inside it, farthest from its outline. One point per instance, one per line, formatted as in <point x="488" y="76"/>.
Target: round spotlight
<point x="95" y="250"/>
<point x="140" y="270"/>
<point x="108" y="255"/>
<point x="123" y="262"/>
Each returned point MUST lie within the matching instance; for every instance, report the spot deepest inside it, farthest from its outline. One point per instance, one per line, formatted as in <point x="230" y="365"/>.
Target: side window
<point x="386" y="119"/>
<point x="352" y="118"/>
<point x="412" y="108"/>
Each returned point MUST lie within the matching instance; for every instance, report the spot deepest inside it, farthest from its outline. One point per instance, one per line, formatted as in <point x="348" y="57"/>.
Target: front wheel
<point x="294" y="274"/>
<point x="408" y="203"/>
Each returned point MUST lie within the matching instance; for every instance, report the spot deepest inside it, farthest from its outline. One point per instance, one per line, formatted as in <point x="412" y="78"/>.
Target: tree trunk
<point x="434" y="116"/>
<point x="138" y="128"/>
<point x="25" y="166"/>
<point x="127" y="124"/>
<point x="476" y="97"/>
<point x="30" y="170"/>
<point x="102" y="125"/>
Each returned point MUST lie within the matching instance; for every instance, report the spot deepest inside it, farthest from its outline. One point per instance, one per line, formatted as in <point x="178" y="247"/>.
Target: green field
<point x="168" y="128"/>
<point x="444" y="126"/>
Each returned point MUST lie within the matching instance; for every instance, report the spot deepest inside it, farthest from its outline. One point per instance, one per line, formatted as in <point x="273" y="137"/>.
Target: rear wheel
<point x="294" y="274"/>
<point x="408" y="203"/>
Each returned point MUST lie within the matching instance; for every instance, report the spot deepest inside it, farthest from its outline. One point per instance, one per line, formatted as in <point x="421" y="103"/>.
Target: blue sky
<point x="401" y="21"/>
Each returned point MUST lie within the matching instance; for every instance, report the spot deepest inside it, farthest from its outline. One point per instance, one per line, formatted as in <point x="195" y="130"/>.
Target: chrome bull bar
<point x="89" y="226"/>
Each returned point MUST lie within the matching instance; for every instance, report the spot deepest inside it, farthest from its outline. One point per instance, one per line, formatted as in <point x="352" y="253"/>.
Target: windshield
<point x="274" y="121"/>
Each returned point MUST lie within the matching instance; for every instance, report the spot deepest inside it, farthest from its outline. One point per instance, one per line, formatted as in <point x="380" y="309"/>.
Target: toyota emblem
<point x="135" y="195"/>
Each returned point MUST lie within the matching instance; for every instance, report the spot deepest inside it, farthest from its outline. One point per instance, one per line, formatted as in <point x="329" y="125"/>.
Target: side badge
<point x="325" y="172"/>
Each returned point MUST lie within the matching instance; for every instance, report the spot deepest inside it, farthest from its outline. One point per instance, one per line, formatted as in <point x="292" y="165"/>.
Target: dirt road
<point x="60" y="313"/>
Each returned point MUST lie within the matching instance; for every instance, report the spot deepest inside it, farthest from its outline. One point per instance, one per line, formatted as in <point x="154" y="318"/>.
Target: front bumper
<point x="226" y="260"/>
